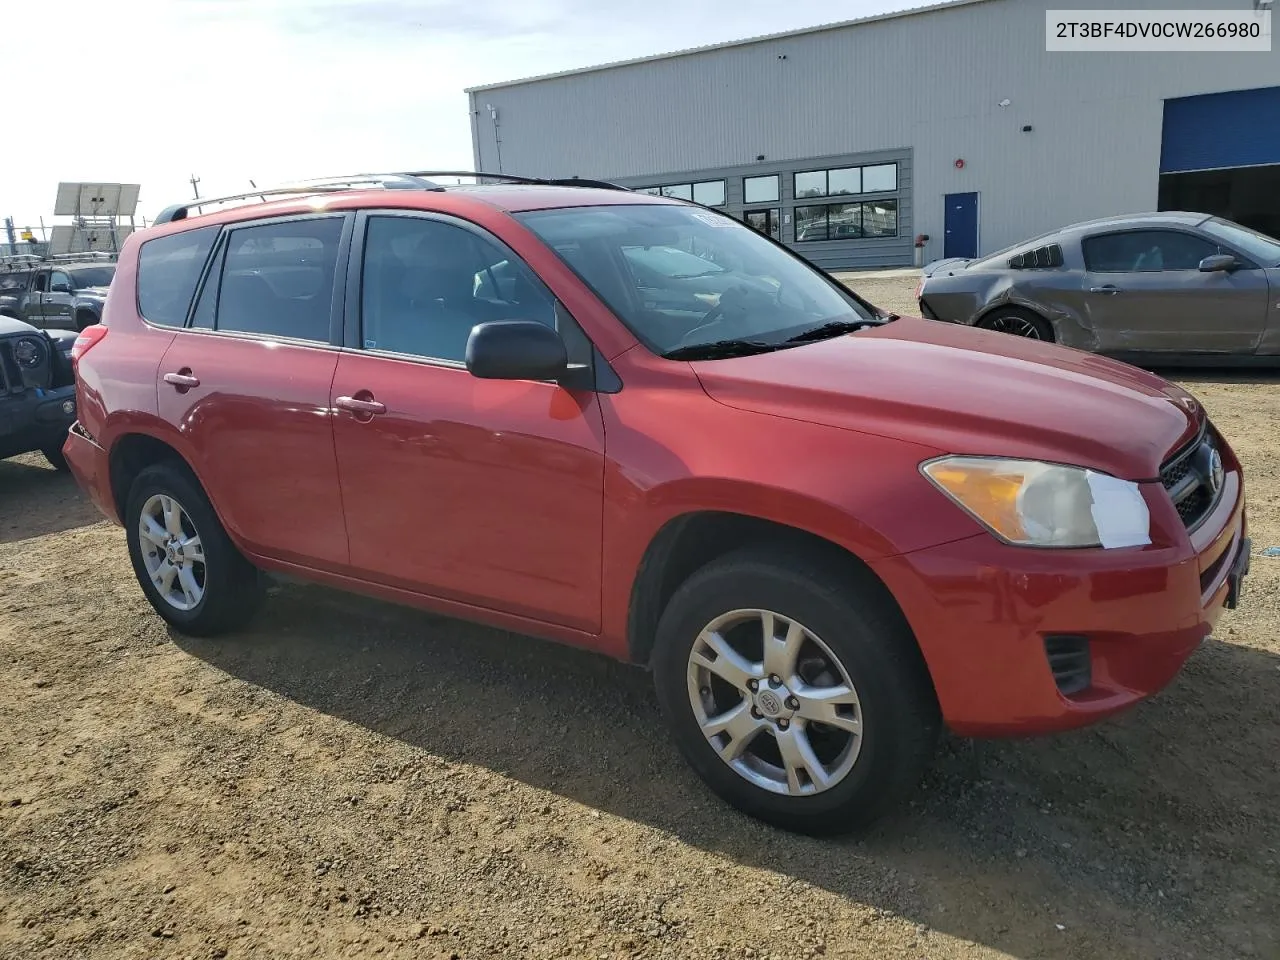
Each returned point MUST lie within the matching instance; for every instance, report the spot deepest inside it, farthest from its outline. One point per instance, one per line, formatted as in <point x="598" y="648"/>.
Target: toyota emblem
<point x="1217" y="473"/>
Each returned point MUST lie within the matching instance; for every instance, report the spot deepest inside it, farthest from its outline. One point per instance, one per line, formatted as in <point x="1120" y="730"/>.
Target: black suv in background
<point x="37" y="390"/>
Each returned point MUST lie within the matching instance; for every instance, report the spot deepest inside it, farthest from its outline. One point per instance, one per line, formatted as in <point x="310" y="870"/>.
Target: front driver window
<point x="1146" y="251"/>
<point x="426" y="283"/>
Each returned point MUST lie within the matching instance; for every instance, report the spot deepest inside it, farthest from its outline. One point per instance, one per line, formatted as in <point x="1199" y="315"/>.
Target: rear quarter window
<point x="168" y="270"/>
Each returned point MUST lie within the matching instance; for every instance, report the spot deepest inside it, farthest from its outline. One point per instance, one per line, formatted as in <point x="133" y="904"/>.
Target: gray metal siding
<point x="929" y="83"/>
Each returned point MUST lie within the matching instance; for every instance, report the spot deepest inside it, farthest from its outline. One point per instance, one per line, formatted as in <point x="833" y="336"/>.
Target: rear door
<point x="1143" y="291"/>
<point x="484" y="492"/>
<point x="57" y="302"/>
<point x="247" y="383"/>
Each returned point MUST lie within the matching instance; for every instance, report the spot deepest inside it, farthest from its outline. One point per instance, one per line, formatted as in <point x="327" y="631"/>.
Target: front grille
<point x="10" y="375"/>
<point x="1069" y="662"/>
<point x="1188" y="476"/>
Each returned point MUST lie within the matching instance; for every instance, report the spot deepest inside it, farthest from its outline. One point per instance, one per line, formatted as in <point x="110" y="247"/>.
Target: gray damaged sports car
<point x="1159" y="288"/>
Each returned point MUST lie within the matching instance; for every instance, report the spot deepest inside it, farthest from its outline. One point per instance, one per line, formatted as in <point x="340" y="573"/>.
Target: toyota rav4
<point x="636" y="425"/>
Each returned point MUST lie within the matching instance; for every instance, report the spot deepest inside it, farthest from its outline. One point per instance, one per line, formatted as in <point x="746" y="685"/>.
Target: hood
<point x="9" y="325"/>
<point x="966" y="391"/>
<point x="92" y="293"/>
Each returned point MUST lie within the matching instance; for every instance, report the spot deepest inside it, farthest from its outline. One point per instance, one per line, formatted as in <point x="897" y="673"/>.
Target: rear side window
<point x="278" y="279"/>
<point x="168" y="271"/>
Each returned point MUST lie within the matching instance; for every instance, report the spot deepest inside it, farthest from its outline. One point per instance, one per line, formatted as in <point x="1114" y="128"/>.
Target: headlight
<point x="1036" y="504"/>
<point x="28" y="352"/>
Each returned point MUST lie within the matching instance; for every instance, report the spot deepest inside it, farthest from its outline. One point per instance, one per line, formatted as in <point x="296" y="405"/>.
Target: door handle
<point x="366" y="407"/>
<point x="182" y="380"/>
<point x="1108" y="289"/>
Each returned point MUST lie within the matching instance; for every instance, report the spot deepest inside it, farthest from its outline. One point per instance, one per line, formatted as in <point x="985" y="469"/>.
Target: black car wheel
<point x="1020" y="323"/>
<point x="56" y="458"/>
<point x="795" y="689"/>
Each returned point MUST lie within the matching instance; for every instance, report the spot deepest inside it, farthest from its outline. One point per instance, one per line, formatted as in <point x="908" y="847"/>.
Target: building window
<point x="709" y="193"/>
<point x="882" y="178"/>
<point x="811" y="223"/>
<point x="847" y="221"/>
<point x="812" y="184"/>
<point x="880" y="218"/>
<point x="760" y="189"/>
<point x="847" y="181"/>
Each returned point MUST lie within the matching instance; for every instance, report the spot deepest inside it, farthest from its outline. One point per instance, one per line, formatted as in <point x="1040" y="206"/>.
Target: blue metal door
<point x="960" y="225"/>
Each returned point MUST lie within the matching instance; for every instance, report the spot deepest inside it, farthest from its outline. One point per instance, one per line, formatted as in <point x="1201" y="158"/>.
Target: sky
<point x="276" y="90"/>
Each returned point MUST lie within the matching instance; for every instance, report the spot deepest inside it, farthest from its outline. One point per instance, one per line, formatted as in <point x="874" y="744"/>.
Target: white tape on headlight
<point x="1119" y="512"/>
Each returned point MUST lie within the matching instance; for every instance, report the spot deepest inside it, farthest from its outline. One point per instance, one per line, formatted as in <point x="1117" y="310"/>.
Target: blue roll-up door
<point x="1217" y="130"/>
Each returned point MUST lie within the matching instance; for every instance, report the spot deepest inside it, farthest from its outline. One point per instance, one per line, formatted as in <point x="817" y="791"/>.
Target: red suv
<point x="636" y="425"/>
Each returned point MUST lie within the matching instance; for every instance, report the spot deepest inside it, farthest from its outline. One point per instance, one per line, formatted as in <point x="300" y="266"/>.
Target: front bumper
<point x="35" y="419"/>
<point x="983" y="611"/>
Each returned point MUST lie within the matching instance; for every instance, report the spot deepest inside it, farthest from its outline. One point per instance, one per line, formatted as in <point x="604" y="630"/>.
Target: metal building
<point x="848" y="140"/>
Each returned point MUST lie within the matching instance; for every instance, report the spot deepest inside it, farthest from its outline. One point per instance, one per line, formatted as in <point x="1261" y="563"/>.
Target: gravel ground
<point x="349" y="779"/>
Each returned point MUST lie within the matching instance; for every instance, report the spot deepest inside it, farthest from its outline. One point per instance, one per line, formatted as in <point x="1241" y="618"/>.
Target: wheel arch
<point x="1016" y="306"/>
<point x="85" y="317"/>
<point x="688" y="542"/>
<point x="129" y="455"/>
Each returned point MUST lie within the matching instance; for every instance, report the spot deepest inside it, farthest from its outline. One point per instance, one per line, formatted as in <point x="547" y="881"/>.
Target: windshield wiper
<point x="719" y="349"/>
<point x="833" y="328"/>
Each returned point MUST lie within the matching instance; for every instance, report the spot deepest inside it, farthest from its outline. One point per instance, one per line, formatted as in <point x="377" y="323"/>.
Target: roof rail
<point x="417" y="180"/>
<point x="304" y="188"/>
<point x="81" y="257"/>
<point x="513" y="178"/>
<point x="12" y="263"/>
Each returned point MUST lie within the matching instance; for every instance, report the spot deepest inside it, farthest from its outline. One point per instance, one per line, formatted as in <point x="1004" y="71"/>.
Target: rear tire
<point x="883" y="734"/>
<point x="216" y="593"/>
<point x="57" y="459"/>
<point x="1019" y="323"/>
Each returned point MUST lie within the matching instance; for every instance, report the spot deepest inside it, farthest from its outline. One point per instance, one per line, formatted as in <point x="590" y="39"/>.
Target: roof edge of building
<point x="746" y="41"/>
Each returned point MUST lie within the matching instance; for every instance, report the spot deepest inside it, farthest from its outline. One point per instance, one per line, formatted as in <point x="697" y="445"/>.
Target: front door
<point x="248" y="386"/>
<point x="1143" y="291"/>
<point x="485" y="492"/>
<point x="960" y="225"/>
<point x="33" y="302"/>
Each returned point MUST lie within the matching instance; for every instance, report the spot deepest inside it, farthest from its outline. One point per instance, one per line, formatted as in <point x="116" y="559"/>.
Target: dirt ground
<point x="349" y="779"/>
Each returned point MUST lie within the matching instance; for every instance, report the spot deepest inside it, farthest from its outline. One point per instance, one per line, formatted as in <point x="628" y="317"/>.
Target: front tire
<point x="57" y="459"/>
<point x="823" y="728"/>
<point x="191" y="572"/>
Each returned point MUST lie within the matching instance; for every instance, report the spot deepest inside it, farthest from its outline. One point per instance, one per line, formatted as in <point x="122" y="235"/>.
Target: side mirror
<point x="516" y="350"/>
<point x="60" y="287"/>
<point x="1218" y="263"/>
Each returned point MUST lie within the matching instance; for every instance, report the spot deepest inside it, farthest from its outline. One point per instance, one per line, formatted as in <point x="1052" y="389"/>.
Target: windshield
<point x="83" y="277"/>
<point x="1256" y="246"/>
<point x="682" y="277"/>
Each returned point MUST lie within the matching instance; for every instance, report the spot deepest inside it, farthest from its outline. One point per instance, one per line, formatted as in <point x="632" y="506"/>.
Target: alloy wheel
<point x="172" y="552"/>
<point x="1014" y="324"/>
<point x="774" y="702"/>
